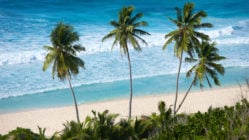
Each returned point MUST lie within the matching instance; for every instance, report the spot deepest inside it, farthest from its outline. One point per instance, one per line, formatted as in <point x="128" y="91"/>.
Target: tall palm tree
<point x="206" y="66"/>
<point x="126" y="32"/>
<point x="186" y="37"/>
<point x="62" y="54"/>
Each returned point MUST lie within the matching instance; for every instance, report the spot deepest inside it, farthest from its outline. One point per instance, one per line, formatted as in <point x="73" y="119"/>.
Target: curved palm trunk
<point x="177" y="81"/>
<point x="130" y="102"/>
<point x="75" y="102"/>
<point x="186" y="94"/>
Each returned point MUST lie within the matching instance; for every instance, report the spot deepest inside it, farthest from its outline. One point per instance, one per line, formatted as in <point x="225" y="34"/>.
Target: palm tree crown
<point x="186" y="37"/>
<point x="206" y="65"/>
<point x="63" y="53"/>
<point x="126" y="30"/>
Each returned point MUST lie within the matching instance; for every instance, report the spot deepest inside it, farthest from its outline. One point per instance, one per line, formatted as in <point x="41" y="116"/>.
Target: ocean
<point x="25" y="27"/>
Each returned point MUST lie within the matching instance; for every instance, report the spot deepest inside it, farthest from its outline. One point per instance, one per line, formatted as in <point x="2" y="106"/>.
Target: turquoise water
<point x="25" y="27"/>
<point x="161" y="84"/>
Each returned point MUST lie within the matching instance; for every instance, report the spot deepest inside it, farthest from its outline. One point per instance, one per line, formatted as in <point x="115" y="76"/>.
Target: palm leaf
<point x="203" y="25"/>
<point x="140" y="32"/>
<point x="110" y="35"/>
<point x="201" y="35"/>
<point x="196" y="17"/>
<point x="114" y="24"/>
<point x="141" y="39"/>
<point x="78" y="48"/>
<point x="190" y="60"/>
<point x="136" y="17"/>
<point x="179" y="14"/>
<point x="142" y="23"/>
<point x="134" y="43"/>
<point x="50" y="57"/>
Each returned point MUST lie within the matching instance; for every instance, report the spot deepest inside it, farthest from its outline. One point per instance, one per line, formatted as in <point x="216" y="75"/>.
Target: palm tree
<point x="205" y="67"/>
<point x="186" y="37"/>
<point x="62" y="55"/>
<point x="126" y="32"/>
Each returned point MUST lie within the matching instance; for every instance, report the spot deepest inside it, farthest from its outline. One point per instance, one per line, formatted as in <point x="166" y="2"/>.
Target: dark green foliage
<point x="227" y="123"/>
<point x="101" y="125"/>
<point x="21" y="134"/>
<point x="74" y="131"/>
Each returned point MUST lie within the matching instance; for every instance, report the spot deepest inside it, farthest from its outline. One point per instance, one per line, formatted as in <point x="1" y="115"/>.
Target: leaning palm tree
<point x="62" y="54"/>
<point x="186" y="37"/>
<point x="126" y="32"/>
<point x="206" y="66"/>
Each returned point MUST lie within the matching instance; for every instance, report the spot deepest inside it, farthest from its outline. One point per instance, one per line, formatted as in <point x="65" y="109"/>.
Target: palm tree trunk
<point x="75" y="102"/>
<point x="130" y="102"/>
<point x="177" y="81"/>
<point x="186" y="94"/>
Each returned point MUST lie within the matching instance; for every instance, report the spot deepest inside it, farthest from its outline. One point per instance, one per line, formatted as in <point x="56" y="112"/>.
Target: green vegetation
<point x="227" y="123"/>
<point x="219" y="123"/>
<point x="206" y="66"/>
<point x="63" y="55"/>
<point x="186" y="37"/>
<point x="126" y="32"/>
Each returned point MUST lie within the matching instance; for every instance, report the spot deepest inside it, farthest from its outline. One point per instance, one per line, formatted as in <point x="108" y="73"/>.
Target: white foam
<point x="233" y="40"/>
<point x="10" y="55"/>
<point x="21" y="57"/>
<point x="227" y="31"/>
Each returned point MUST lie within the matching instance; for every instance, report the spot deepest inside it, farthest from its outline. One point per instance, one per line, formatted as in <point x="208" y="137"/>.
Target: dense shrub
<point x="227" y="123"/>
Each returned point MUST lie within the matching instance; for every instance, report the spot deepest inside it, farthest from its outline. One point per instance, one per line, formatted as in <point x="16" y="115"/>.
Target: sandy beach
<point x="53" y="118"/>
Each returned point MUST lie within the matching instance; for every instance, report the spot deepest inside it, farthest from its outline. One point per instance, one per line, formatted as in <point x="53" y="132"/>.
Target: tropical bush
<point x="227" y="123"/>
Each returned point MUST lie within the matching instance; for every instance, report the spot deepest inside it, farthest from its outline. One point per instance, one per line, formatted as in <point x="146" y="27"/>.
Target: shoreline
<point x="100" y="92"/>
<point x="53" y="118"/>
<point x="198" y="90"/>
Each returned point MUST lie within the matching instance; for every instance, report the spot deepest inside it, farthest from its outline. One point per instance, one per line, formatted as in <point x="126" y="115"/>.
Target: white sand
<point x="53" y="118"/>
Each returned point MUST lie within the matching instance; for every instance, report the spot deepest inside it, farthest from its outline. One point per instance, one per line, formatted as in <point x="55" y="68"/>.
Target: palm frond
<point x="190" y="60"/>
<point x="187" y="11"/>
<point x="176" y="22"/>
<point x="140" y="32"/>
<point x="50" y="57"/>
<point x="139" y="24"/>
<point x="190" y="71"/>
<point x="110" y="35"/>
<point x="170" y="40"/>
<point x="201" y="35"/>
<point x="114" y="42"/>
<point x="203" y="25"/>
<point x="134" y="43"/>
<point x="209" y="83"/>
<point x="141" y="39"/>
<point x="54" y="69"/>
<point x="48" y="48"/>
<point x="197" y="16"/>
<point x="179" y="14"/>
<point x="79" y="48"/>
<point x="136" y="17"/>
<point x="172" y="33"/>
<point x="115" y="24"/>
<point x="217" y="67"/>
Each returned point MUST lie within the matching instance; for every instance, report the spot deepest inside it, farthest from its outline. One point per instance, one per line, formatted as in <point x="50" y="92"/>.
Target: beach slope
<point x="53" y="118"/>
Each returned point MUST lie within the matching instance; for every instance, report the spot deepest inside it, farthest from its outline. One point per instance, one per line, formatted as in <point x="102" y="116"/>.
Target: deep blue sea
<point x="25" y="27"/>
